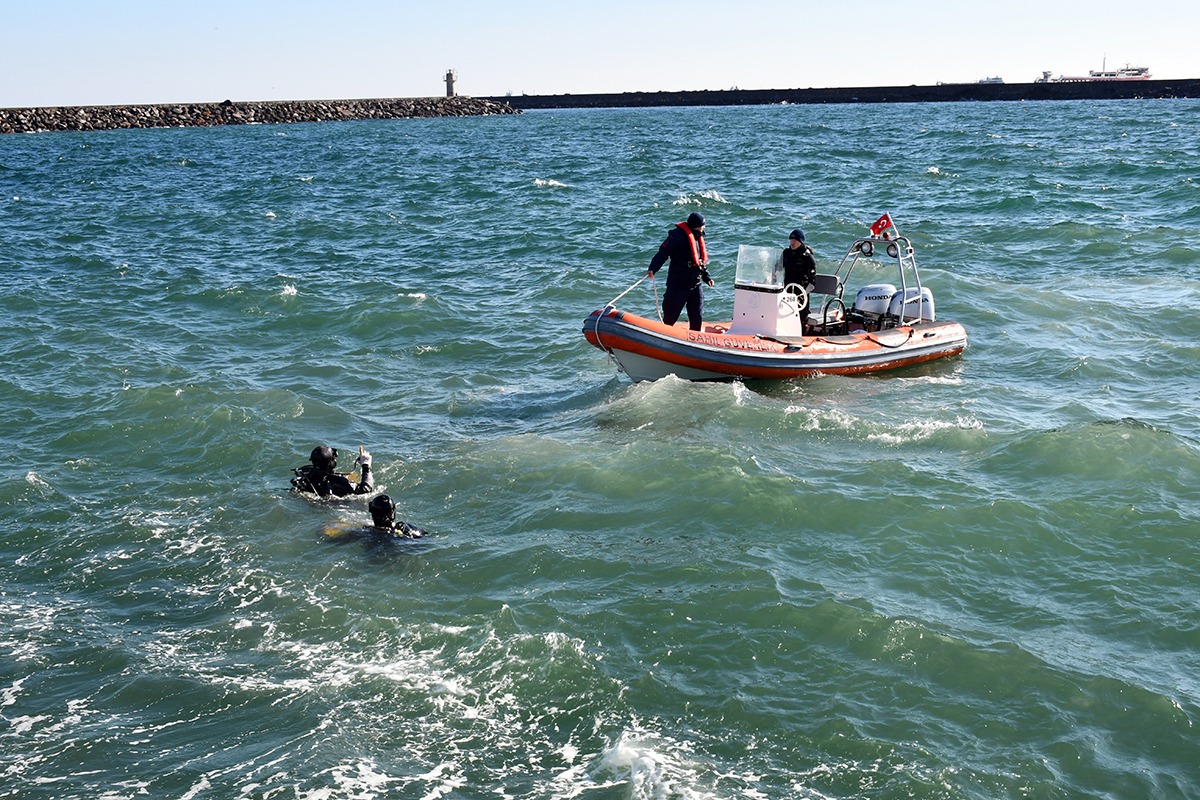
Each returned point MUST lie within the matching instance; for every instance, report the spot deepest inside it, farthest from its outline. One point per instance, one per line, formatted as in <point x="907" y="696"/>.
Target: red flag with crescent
<point x="881" y="224"/>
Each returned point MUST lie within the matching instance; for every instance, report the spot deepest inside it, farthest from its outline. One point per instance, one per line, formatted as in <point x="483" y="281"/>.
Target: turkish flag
<point x="881" y="224"/>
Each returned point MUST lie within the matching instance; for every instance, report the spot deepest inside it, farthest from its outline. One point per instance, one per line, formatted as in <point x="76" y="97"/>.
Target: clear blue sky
<point x="71" y="52"/>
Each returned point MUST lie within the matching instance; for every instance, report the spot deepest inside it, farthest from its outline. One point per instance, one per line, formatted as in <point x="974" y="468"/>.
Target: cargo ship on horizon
<point x="1125" y="73"/>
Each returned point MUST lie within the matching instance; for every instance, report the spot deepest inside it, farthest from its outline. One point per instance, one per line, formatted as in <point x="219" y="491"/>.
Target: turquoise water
<point x="974" y="579"/>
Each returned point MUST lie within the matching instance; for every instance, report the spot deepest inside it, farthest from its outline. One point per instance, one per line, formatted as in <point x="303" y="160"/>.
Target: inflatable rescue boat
<point x="890" y="324"/>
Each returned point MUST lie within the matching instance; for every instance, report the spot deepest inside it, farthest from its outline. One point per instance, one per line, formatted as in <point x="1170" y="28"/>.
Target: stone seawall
<point x="186" y="115"/>
<point x="941" y="93"/>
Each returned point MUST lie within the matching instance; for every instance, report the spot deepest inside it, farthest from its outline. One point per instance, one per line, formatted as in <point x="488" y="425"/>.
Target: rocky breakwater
<point x="187" y="115"/>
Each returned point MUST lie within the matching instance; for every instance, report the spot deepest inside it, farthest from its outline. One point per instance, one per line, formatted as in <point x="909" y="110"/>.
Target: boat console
<point x="762" y="305"/>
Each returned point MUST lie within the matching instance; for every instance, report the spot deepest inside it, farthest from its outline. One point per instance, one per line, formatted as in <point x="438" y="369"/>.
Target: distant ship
<point x="1126" y="73"/>
<point x="996" y="79"/>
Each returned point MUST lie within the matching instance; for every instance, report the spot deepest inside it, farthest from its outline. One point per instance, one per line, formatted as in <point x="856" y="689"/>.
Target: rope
<point x="657" y="307"/>
<point x="871" y="337"/>
<point x="613" y="304"/>
<point x="893" y="346"/>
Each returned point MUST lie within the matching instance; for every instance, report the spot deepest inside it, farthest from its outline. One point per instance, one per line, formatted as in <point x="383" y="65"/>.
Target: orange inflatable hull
<point x="647" y="350"/>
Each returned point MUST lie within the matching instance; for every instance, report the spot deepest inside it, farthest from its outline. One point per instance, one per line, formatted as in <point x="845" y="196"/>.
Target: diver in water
<point x="321" y="478"/>
<point x="383" y="519"/>
<point x="384" y="525"/>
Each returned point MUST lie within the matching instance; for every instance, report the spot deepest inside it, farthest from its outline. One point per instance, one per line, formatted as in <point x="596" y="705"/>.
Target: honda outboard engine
<point x="871" y="304"/>
<point x="917" y="304"/>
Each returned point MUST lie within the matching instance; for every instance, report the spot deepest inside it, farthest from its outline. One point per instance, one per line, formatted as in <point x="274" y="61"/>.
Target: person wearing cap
<point x="799" y="266"/>
<point x="685" y="248"/>
<point x="322" y="478"/>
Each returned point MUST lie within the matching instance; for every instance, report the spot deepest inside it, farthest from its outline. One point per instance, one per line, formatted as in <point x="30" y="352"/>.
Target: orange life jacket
<point x="699" y="249"/>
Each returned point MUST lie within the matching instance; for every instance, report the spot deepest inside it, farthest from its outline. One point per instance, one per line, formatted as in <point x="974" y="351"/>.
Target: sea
<point x="972" y="579"/>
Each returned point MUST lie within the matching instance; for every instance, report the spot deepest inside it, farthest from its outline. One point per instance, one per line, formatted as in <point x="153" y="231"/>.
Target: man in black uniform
<point x="685" y="247"/>
<point x="320" y="478"/>
<point x="799" y="266"/>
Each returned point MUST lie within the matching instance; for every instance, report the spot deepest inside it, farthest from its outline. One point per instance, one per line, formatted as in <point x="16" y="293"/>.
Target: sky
<point x="72" y="52"/>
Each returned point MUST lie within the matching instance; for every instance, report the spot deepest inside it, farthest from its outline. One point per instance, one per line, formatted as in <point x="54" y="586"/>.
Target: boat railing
<point x="898" y="248"/>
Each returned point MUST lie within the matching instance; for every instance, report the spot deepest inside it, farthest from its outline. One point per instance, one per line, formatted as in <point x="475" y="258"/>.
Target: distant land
<point x="227" y="112"/>
<point x="184" y="115"/>
<point x="945" y="92"/>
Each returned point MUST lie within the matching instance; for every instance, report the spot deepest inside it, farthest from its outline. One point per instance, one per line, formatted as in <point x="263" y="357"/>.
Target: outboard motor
<point x="871" y="304"/>
<point x="917" y="305"/>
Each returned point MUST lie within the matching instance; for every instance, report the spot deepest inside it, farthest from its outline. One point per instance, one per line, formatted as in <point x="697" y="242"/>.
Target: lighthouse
<point x="450" y="77"/>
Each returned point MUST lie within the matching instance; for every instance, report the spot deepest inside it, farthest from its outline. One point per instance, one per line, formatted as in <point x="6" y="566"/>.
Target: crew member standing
<point x="799" y="266"/>
<point x="685" y="247"/>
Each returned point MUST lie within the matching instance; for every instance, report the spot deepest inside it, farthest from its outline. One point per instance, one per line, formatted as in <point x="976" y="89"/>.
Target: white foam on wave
<point x="936" y="380"/>
<point x="202" y="785"/>
<point x="542" y="182"/>
<point x="25" y="625"/>
<point x="654" y="766"/>
<point x="814" y="417"/>
<point x="181" y="529"/>
<point x="921" y="429"/>
<point x="9" y="696"/>
<point x="456" y="704"/>
<point x="288" y="290"/>
<point x="26" y="724"/>
<point x="364" y="778"/>
<point x="361" y="778"/>
<point x="33" y="479"/>
<point x="741" y="395"/>
<point x="698" y="198"/>
<point x="462" y="698"/>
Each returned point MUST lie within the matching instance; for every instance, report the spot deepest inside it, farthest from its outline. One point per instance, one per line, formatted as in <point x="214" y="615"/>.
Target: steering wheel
<point x="801" y="295"/>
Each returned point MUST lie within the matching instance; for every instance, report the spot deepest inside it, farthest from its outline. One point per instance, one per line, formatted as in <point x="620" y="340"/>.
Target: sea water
<point x="972" y="579"/>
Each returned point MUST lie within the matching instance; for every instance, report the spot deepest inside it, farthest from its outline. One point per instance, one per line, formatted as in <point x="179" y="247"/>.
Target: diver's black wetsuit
<point x="327" y="483"/>
<point x="398" y="531"/>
